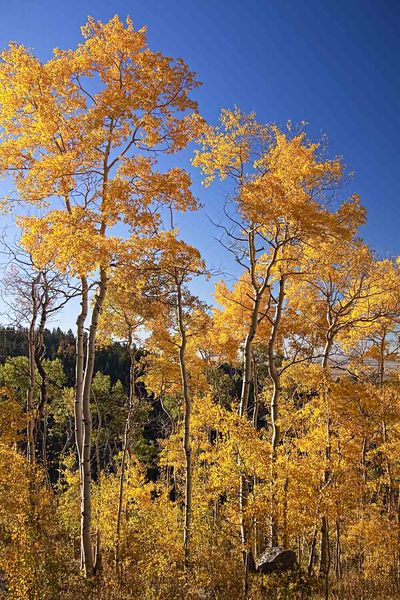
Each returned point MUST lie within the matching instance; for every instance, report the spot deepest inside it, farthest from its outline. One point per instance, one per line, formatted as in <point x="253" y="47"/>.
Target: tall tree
<point x="183" y="318"/>
<point x="280" y="194"/>
<point x="82" y="130"/>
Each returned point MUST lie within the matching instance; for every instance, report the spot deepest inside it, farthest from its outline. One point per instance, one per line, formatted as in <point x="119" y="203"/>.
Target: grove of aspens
<point x="170" y="447"/>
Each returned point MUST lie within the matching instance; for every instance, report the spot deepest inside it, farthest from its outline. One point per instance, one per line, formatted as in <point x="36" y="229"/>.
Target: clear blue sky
<point x="333" y="63"/>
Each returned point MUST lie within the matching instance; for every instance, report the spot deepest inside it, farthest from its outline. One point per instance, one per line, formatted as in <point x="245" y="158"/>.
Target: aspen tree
<point x="280" y="185"/>
<point x="128" y="307"/>
<point x="177" y="264"/>
<point x="80" y="130"/>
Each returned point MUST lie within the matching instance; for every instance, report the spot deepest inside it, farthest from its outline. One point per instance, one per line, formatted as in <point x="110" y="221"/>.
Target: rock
<point x="203" y="594"/>
<point x="275" y="559"/>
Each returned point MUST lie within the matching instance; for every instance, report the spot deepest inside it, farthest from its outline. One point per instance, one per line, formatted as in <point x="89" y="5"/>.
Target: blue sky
<point x="333" y="63"/>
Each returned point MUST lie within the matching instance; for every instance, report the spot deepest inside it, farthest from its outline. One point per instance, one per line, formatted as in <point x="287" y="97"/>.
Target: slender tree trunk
<point x="248" y="357"/>
<point x="31" y="424"/>
<point x="258" y="294"/>
<point x="39" y="356"/>
<point x="243" y="532"/>
<point x="86" y="472"/>
<point x="255" y="392"/>
<point x="382" y="360"/>
<point x="256" y="532"/>
<point x="44" y="447"/>
<point x="79" y="367"/>
<point x="325" y="554"/>
<point x="274" y="375"/>
<point x="255" y="523"/>
<point x="327" y="351"/>
<point x="312" y="551"/>
<point x="324" y="562"/>
<point x="186" y="426"/>
<point x="364" y="470"/>
<point x="299" y="551"/>
<point x="243" y="409"/>
<point x="125" y="448"/>
<point x="97" y="441"/>
<point x="338" y="563"/>
<point x="384" y="426"/>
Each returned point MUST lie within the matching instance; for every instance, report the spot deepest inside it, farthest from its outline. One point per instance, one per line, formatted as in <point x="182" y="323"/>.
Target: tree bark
<point x="324" y="561"/>
<point x="243" y="408"/>
<point x="31" y="451"/>
<point x="31" y="424"/>
<point x="338" y="563"/>
<point x="79" y="367"/>
<point x="274" y="375"/>
<point x="312" y="550"/>
<point x="186" y="426"/>
<point x="247" y="357"/>
<point x="86" y="472"/>
<point x="131" y="401"/>
<point x="255" y="392"/>
<point x="259" y="289"/>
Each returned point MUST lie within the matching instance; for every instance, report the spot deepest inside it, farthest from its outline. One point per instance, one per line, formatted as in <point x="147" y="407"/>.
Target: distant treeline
<point x="111" y="360"/>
